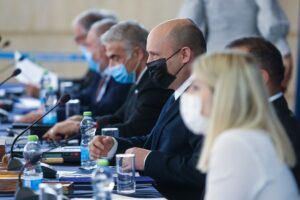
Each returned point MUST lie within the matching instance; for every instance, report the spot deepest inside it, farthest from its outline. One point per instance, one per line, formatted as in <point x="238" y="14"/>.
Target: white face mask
<point x="190" y="111"/>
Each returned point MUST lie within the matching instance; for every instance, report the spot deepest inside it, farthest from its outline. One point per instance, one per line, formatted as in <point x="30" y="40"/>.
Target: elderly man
<point x="126" y="49"/>
<point x="109" y="95"/>
<point x="169" y="153"/>
<point x="273" y="72"/>
<point x="81" y="26"/>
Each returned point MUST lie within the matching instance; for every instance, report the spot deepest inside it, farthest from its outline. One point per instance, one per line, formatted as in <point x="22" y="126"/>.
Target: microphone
<point x="12" y="64"/>
<point x="16" y="72"/>
<point x="5" y="44"/>
<point x="15" y="164"/>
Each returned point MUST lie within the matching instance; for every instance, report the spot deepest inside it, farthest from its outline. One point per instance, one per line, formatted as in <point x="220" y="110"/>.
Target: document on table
<point x="32" y="73"/>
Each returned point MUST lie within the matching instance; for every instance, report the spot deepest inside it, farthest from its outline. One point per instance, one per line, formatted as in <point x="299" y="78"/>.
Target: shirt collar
<point x="106" y="72"/>
<point x="140" y="76"/>
<point x="275" y="97"/>
<point x="182" y="88"/>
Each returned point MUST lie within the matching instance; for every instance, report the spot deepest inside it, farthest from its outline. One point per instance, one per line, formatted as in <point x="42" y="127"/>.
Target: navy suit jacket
<point x="86" y="95"/>
<point x="114" y="97"/>
<point x="174" y="155"/>
<point x="291" y="126"/>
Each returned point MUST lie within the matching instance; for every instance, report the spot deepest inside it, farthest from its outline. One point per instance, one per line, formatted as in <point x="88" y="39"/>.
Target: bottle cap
<point x="87" y="113"/>
<point x="102" y="162"/>
<point x="32" y="138"/>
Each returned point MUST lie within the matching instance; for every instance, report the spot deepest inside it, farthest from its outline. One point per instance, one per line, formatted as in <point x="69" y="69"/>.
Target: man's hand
<point x="77" y="118"/>
<point x="100" y="146"/>
<point x="63" y="129"/>
<point x="30" y="117"/>
<point x="140" y="155"/>
<point x="32" y="90"/>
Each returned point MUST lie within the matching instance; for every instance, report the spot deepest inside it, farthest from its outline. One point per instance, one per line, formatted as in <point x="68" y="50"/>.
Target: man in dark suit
<point x="273" y="72"/>
<point x="107" y="96"/>
<point x="127" y="59"/>
<point x="81" y="25"/>
<point x="169" y="153"/>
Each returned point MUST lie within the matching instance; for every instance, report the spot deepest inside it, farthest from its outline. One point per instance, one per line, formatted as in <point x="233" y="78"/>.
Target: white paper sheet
<point x="32" y="73"/>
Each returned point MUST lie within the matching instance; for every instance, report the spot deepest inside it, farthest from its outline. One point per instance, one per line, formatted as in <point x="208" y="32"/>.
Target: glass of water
<point x="125" y="166"/>
<point x="112" y="132"/>
<point x="50" y="191"/>
<point x="72" y="108"/>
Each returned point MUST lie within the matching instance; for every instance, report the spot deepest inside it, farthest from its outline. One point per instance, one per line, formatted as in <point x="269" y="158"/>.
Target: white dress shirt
<point x="275" y="97"/>
<point x="244" y="166"/>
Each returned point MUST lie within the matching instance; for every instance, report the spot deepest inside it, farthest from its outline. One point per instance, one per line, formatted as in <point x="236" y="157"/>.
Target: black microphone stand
<point x="16" y="72"/>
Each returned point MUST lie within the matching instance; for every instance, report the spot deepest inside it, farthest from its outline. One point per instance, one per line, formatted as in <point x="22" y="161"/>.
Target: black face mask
<point x="159" y="74"/>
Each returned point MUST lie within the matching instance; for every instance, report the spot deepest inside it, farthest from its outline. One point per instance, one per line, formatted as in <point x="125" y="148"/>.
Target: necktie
<point x="101" y="88"/>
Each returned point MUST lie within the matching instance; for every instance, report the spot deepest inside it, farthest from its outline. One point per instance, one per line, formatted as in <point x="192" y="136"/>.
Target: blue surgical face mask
<point x="120" y="74"/>
<point x="93" y="66"/>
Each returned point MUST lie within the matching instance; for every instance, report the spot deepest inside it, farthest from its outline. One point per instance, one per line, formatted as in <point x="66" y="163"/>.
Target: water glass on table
<point x="51" y="191"/>
<point x="112" y="132"/>
<point x="72" y="108"/>
<point x="125" y="167"/>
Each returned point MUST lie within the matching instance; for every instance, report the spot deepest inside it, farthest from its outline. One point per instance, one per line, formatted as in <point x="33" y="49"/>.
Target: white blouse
<point x="244" y="166"/>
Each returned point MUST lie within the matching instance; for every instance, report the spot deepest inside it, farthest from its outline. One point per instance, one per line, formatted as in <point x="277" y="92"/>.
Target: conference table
<point x="83" y="189"/>
<point x="144" y="187"/>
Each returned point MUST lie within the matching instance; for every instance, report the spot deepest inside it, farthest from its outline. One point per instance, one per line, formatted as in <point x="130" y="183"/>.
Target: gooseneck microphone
<point x="5" y="44"/>
<point x="16" y="72"/>
<point x="12" y="64"/>
<point x="16" y="164"/>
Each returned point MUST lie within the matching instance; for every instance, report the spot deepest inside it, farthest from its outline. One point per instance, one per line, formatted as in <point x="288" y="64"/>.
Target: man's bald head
<point x="181" y="41"/>
<point x="179" y="33"/>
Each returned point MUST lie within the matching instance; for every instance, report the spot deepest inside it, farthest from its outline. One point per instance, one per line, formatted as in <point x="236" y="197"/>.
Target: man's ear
<point x="265" y="75"/>
<point x="186" y="55"/>
<point x="138" y="53"/>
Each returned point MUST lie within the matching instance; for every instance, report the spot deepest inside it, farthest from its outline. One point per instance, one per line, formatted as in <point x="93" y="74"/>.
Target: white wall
<point x="44" y="25"/>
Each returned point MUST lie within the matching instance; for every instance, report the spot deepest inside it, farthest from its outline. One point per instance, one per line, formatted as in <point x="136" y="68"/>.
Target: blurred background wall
<point x="45" y="26"/>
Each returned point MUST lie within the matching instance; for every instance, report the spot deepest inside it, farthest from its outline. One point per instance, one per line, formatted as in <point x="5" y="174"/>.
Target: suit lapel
<point x="164" y="120"/>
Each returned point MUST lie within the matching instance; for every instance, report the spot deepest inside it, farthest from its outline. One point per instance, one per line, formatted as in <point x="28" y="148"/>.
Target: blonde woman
<point x="246" y="152"/>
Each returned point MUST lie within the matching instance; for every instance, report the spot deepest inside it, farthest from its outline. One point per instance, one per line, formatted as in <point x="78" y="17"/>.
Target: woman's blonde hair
<point x="240" y="101"/>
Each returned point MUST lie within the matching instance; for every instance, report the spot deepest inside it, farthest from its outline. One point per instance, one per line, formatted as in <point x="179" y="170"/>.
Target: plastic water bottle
<point x="87" y="130"/>
<point x="50" y="101"/>
<point x="103" y="181"/>
<point x="33" y="174"/>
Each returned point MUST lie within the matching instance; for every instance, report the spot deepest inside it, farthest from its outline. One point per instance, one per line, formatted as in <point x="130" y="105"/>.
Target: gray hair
<point x="100" y="27"/>
<point x="88" y="17"/>
<point x="130" y="33"/>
